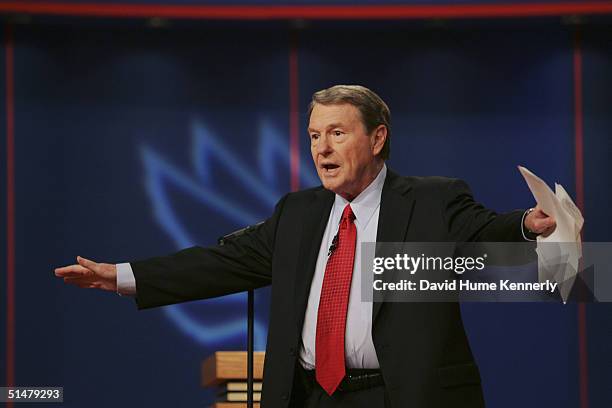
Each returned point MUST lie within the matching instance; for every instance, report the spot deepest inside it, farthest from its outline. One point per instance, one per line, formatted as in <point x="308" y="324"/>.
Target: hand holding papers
<point x="559" y="253"/>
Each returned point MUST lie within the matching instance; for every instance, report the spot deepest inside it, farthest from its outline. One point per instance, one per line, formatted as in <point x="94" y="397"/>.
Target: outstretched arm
<point x="244" y="262"/>
<point x="468" y="220"/>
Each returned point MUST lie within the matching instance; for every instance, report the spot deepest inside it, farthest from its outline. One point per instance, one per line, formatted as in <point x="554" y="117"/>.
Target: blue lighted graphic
<point x="198" y="183"/>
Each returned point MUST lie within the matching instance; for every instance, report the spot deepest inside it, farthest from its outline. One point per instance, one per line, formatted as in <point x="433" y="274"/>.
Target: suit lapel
<point x="396" y="206"/>
<point x="314" y="223"/>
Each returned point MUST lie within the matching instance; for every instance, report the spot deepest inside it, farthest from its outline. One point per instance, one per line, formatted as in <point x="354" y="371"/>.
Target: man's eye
<point x="314" y="136"/>
<point x="337" y="133"/>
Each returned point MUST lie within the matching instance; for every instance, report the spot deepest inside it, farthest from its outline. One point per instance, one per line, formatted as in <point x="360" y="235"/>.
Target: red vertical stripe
<point x="578" y="125"/>
<point x="294" y="114"/>
<point x="579" y="169"/>
<point x="10" y="212"/>
<point x="583" y="356"/>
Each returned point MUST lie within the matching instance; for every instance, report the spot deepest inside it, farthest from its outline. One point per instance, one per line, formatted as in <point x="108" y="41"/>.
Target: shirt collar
<point x="367" y="201"/>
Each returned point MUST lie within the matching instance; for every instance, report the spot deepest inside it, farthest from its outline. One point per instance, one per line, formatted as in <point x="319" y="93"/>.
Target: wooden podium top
<point x="225" y="366"/>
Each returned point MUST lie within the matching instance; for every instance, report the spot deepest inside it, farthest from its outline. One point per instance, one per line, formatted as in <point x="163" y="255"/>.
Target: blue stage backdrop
<point x="133" y="142"/>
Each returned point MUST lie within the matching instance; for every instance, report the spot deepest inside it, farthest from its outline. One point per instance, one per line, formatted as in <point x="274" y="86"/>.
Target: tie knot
<point x="348" y="214"/>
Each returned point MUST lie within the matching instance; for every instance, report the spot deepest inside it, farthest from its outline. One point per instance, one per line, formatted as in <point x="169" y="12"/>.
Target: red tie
<point x="331" y="319"/>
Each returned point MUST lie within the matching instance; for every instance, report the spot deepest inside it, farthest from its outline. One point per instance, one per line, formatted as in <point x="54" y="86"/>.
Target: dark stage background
<point x="123" y="140"/>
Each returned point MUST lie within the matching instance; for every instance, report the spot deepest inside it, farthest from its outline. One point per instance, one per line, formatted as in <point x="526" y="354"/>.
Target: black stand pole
<point x="250" y="341"/>
<point x="250" y="317"/>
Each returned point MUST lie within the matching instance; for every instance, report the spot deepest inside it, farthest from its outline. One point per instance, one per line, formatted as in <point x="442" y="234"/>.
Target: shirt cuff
<point x="126" y="282"/>
<point x="527" y="235"/>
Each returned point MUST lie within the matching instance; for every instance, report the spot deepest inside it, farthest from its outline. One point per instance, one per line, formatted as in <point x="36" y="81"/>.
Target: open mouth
<point x="329" y="167"/>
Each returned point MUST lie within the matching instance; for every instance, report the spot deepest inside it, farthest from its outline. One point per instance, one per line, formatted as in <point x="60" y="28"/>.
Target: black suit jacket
<point x="422" y="348"/>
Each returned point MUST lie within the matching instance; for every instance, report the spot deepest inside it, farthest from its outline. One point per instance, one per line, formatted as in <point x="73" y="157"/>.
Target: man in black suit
<point x="325" y="347"/>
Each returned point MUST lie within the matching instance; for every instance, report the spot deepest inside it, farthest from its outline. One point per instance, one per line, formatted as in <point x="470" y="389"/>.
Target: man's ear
<point x="378" y="139"/>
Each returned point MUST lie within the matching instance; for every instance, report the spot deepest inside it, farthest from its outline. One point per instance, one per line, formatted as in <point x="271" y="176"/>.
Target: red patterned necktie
<point x="333" y="304"/>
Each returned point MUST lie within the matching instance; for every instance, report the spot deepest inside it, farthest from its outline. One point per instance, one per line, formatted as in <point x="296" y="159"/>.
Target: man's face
<point x="343" y="152"/>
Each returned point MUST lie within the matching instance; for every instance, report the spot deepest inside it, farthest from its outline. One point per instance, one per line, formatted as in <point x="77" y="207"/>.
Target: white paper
<point x="559" y="253"/>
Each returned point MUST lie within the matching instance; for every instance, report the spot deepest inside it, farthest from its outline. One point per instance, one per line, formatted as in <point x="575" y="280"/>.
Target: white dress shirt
<point x="359" y="348"/>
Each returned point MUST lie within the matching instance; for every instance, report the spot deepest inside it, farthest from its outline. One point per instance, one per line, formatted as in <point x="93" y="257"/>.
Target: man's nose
<point x="324" y="147"/>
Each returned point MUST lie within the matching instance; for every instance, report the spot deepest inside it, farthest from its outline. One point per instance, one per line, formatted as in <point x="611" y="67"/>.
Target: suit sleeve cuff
<point x="126" y="282"/>
<point x="527" y="235"/>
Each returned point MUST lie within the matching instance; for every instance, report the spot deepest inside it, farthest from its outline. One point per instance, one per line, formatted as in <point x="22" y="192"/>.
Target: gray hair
<point x="374" y="111"/>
